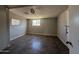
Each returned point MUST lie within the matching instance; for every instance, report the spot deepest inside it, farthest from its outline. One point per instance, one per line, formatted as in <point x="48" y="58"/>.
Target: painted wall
<point x="74" y="28"/>
<point x="48" y="26"/>
<point x="62" y="23"/>
<point x="4" y="29"/>
<point x="17" y="30"/>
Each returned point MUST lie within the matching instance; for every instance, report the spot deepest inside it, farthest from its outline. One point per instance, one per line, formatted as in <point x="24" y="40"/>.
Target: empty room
<point x="39" y="29"/>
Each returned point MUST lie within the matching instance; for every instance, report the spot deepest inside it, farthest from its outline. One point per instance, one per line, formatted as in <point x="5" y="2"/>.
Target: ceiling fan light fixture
<point x="32" y="11"/>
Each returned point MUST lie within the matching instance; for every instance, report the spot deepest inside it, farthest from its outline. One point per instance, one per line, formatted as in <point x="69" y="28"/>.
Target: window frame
<point x="36" y="22"/>
<point x="15" y="22"/>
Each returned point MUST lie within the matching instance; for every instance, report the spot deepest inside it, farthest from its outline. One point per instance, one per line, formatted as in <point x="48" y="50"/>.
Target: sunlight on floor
<point x="36" y="44"/>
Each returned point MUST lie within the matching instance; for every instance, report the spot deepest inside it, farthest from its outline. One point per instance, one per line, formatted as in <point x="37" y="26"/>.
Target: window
<point x="35" y="22"/>
<point x="15" y="22"/>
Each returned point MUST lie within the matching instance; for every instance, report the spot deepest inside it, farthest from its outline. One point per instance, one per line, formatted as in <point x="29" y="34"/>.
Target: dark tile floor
<point x="37" y="44"/>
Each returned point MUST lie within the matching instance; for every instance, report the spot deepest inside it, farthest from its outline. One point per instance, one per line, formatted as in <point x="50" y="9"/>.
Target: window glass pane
<point x="15" y="22"/>
<point x="35" y="22"/>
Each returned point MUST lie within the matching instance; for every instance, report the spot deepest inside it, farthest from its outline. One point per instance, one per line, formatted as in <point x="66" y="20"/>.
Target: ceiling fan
<point x="32" y="10"/>
<point x="35" y="9"/>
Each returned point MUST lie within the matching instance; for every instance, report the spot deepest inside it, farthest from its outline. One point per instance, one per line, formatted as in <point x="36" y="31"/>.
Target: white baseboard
<point x="62" y="40"/>
<point x="44" y="34"/>
<point x="16" y="37"/>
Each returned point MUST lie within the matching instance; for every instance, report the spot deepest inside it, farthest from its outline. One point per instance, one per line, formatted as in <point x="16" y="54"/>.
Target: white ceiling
<point x="41" y="11"/>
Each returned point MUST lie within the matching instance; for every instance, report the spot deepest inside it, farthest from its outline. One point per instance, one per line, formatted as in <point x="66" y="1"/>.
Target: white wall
<point x="48" y="26"/>
<point x="4" y="29"/>
<point x="62" y="21"/>
<point x="17" y="30"/>
<point x="73" y="22"/>
<point x="74" y="28"/>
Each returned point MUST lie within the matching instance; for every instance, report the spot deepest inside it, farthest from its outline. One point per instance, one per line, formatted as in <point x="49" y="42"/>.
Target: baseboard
<point x="44" y="34"/>
<point x="62" y="41"/>
<point x="16" y="37"/>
